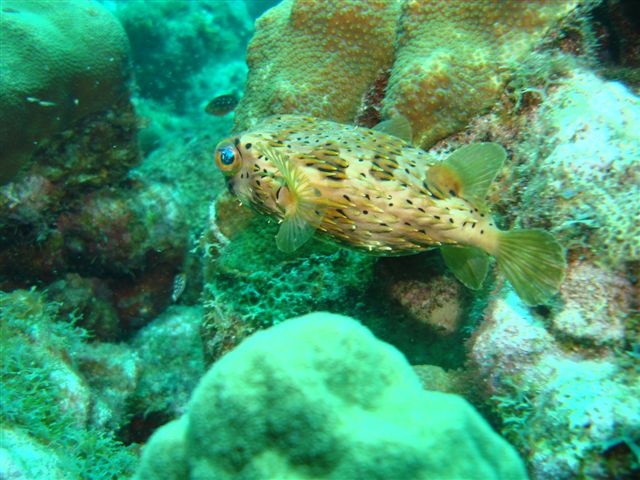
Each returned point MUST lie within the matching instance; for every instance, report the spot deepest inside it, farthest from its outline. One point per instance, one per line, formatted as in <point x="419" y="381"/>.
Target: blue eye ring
<point x="227" y="158"/>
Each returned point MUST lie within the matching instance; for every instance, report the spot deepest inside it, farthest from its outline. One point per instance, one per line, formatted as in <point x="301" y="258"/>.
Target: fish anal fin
<point x="468" y="172"/>
<point x="468" y="264"/>
<point x="397" y="126"/>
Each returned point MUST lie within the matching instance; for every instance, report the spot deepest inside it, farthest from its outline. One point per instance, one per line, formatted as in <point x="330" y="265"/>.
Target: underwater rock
<point x="112" y="371"/>
<point x="595" y="305"/>
<point x="170" y="351"/>
<point x="61" y="61"/>
<point x="90" y="299"/>
<point x="22" y="457"/>
<point x="559" y="404"/>
<point x="118" y="231"/>
<point x="583" y="171"/>
<point x="320" y="397"/>
<point x="441" y="62"/>
<point x="96" y="153"/>
<point x="436" y="302"/>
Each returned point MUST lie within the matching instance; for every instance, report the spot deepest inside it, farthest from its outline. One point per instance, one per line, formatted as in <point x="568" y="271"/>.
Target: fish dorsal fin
<point x="397" y="126"/>
<point x="299" y="200"/>
<point x="468" y="172"/>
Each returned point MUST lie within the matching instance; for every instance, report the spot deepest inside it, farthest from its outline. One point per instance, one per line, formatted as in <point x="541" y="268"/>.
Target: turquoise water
<point x="220" y="232"/>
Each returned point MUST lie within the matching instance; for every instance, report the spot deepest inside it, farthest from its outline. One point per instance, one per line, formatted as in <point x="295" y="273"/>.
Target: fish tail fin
<point x="534" y="263"/>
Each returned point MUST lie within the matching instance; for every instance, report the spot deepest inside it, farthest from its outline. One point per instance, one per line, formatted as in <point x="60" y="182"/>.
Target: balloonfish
<point x="371" y="190"/>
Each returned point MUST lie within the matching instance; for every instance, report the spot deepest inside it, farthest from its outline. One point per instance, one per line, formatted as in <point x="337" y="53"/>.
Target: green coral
<point x="250" y="284"/>
<point x="35" y="349"/>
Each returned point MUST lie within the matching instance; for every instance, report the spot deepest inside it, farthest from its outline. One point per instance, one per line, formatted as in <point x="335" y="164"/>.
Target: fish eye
<point x="227" y="158"/>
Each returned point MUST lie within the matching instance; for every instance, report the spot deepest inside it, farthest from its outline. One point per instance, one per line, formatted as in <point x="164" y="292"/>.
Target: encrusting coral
<point x="445" y="61"/>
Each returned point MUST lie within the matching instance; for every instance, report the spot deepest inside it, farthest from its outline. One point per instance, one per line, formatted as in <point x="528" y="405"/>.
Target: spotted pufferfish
<point x="371" y="190"/>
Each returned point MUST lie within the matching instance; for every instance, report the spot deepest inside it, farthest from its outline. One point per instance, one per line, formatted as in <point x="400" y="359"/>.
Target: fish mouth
<point x="230" y="185"/>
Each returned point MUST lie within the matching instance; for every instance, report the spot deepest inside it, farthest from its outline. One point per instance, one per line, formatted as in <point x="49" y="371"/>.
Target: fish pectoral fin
<point x="301" y="219"/>
<point x="468" y="264"/>
<point x="299" y="201"/>
<point x="468" y="172"/>
<point x="397" y="126"/>
<point x="294" y="232"/>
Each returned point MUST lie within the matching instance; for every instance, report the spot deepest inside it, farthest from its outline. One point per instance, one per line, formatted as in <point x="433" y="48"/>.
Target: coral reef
<point x="86" y="54"/>
<point x="250" y="284"/>
<point x="581" y="171"/>
<point x="319" y="58"/>
<point x="560" y="400"/>
<point x="300" y="400"/>
<point x="46" y="404"/>
<point x="445" y="62"/>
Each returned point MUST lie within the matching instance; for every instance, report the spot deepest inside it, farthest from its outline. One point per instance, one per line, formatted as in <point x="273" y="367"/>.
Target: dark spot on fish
<point x="421" y="209"/>
<point x="366" y="195"/>
<point x="437" y="217"/>
<point x="452" y="193"/>
<point x="365" y="212"/>
<point x="422" y="231"/>
<point x="258" y="182"/>
<point x="450" y="220"/>
<point x="473" y="225"/>
<point x="481" y="232"/>
<point x="390" y="204"/>
<point x="464" y="224"/>
<point x="383" y="225"/>
<point x="409" y="202"/>
<point x="407" y="224"/>
<point x="482" y="214"/>
<point x="406" y="170"/>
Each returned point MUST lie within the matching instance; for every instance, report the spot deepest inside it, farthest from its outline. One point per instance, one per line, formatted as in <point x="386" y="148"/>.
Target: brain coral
<point x="60" y="62"/>
<point x="445" y="61"/>
<point x="319" y="397"/>
<point x="317" y="57"/>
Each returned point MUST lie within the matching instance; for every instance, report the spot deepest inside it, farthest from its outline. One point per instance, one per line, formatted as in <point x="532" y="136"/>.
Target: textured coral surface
<point x="445" y="61"/>
<point x="319" y="397"/>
